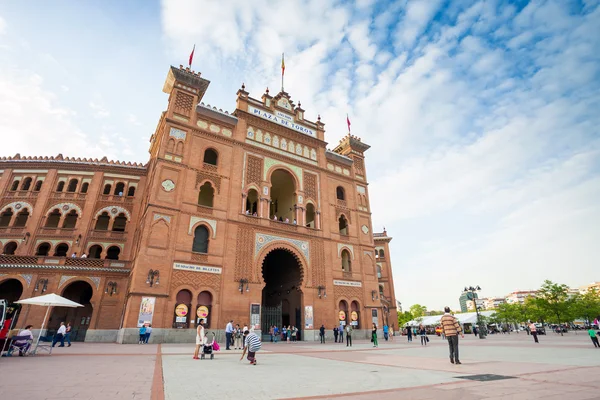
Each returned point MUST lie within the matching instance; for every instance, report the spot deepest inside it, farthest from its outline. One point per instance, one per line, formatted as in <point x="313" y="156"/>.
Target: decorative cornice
<point x="64" y="267"/>
<point x="72" y="160"/>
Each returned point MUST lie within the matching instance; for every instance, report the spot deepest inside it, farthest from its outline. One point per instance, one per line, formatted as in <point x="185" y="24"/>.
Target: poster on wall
<point x="146" y="311"/>
<point x="181" y="312"/>
<point x="202" y="313"/>
<point x="354" y="317"/>
<point x="308" y="317"/>
<point x="255" y="315"/>
<point x="374" y="316"/>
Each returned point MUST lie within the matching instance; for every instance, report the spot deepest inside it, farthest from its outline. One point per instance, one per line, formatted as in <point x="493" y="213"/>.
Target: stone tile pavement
<point x="557" y="368"/>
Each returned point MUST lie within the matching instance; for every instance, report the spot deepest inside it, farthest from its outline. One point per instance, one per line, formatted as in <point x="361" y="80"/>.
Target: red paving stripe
<point x="158" y="386"/>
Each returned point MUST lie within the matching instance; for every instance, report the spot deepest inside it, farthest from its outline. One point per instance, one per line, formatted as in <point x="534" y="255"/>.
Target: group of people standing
<point x="289" y="333"/>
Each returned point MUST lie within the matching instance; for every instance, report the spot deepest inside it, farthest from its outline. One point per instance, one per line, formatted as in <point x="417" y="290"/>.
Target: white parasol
<point x="48" y="300"/>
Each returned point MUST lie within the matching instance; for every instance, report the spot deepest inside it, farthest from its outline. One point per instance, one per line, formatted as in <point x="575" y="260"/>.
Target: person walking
<point x="386" y="331"/>
<point x="349" y="330"/>
<point x="423" y="334"/>
<point x="409" y="334"/>
<point x="275" y="333"/>
<point x="322" y="333"/>
<point x="238" y="338"/>
<point x="451" y="328"/>
<point x="148" y="333"/>
<point x="392" y="332"/>
<point x="341" y="333"/>
<point x="60" y="335"/>
<point x="335" y="334"/>
<point x="283" y="333"/>
<point x="68" y="334"/>
<point x="199" y="338"/>
<point x="374" y="335"/>
<point x="533" y="330"/>
<point x="594" y="337"/>
<point x="142" y="333"/>
<point x="252" y="345"/>
<point x="289" y="333"/>
<point x="228" y="334"/>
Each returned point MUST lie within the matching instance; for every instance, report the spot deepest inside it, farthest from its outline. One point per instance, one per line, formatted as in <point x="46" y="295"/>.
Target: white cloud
<point x="2" y="26"/>
<point x="99" y="110"/>
<point x="417" y="15"/>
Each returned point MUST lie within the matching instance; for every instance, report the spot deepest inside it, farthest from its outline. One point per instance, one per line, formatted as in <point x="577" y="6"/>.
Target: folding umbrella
<point x="48" y="300"/>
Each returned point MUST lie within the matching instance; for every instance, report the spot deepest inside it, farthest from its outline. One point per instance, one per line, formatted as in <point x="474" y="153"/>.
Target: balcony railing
<point x="66" y="262"/>
<point x="68" y="195"/>
<point x="22" y="194"/>
<point x="113" y="235"/>
<point x="347" y="274"/>
<point x="12" y="231"/>
<point x="115" y="198"/>
<point x="209" y="167"/>
<point x="342" y="203"/>
<point x="56" y="231"/>
<point x="288" y="226"/>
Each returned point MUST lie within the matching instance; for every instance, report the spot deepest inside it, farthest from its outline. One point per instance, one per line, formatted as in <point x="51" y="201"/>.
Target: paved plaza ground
<point x="558" y="368"/>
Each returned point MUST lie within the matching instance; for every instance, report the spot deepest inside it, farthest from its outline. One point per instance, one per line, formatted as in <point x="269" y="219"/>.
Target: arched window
<point x="102" y="222"/>
<point x="61" y="250"/>
<point x="346" y="261"/>
<point x="211" y="157"/>
<point x="131" y="191"/>
<point x="15" y="185"/>
<point x="204" y="304"/>
<point x="21" y="219"/>
<point x="119" y="189"/>
<point x="119" y="223"/>
<point x="206" y="195"/>
<point x="171" y="145"/>
<point x="380" y="290"/>
<point x="53" y="219"/>
<point x="179" y="148"/>
<point x="43" y="249"/>
<point x="10" y="248"/>
<point x="381" y="254"/>
<point x="354" y="306"/>
<point x="113" y="253"/>
<point x="26" y="184"/>
<point x="60" y="187"/>
<point x="310" y="215"/>
<point x="5" y="217"/>
<point x="70" y="220"/>
<point x="38" y="186"/>
<point x="343" y="224"/>
<point x="339" y="193"/>
<point x="200" y="244"/>
<point x="183" y="303"/>
<point x="343" y="311"/>
<point x="283" y="195"/>
<point x="72" y="185"/>
<point x="378" y="271"/>
<point x="95" y="251"/>
<point x="84" y="187"/>
<point x="107" y="189"/>
<point x="252" y="202"/>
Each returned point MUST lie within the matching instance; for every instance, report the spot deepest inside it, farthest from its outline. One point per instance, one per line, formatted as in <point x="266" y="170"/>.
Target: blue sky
<point x="482" y="115"/>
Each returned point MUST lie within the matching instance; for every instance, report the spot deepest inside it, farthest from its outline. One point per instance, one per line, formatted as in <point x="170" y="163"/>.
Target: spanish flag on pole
<point x="282" y="69"/>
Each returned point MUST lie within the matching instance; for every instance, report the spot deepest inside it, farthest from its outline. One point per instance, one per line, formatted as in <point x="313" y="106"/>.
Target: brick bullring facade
<point x="244" y="216"/>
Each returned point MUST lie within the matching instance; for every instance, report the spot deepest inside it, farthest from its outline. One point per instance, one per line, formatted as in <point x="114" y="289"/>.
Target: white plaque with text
<point x="347" y="283"/>
<point x="197" y="268"/>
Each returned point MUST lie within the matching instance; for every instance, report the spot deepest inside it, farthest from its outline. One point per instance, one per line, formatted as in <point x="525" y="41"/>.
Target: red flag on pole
<point x="192" y="56"/>
<point x="282" y="70"/>
<point x="348" y="121"/>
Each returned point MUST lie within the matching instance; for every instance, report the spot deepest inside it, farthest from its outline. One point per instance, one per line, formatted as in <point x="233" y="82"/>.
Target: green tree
<point x="553" y="299"/>
<point x="587" y="306"/>
<point x="404" y="317"/>
<point x="418" y="310"/>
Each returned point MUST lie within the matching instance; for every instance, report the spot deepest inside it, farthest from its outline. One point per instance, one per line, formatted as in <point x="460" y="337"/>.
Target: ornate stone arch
<point x="113" y="211"/>
<point x="20" y="278"/>
<point x="17" y="206"/>
<point x="210" y="224"/>
<point x="94" y="282"/>
<point x="281" y="245"/>
<point x="65" y="208"/>
<point x="344" y="246"/>
<point x="275" y="167"/>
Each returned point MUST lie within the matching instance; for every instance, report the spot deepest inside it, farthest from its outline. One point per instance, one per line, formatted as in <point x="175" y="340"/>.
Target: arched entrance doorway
<point x="11" y="290"/>
<point x="80" y="317"/>
<point x="282" y="294"/>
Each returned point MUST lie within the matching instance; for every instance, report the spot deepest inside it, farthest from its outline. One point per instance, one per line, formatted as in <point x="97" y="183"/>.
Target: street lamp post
<point x="472" y="290"/>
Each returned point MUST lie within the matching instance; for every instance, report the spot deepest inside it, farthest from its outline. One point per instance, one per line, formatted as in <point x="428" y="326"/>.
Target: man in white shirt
<point x="228" y="334"/>
<point x="60" y="335"/>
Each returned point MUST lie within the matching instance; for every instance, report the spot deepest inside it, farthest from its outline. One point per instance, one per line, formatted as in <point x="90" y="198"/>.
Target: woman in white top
<point x="199" y="338"/>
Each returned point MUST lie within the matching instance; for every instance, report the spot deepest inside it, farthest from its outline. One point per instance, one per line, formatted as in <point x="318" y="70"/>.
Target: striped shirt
<point x="450" y="325"/>
<point x="252" y="342"/>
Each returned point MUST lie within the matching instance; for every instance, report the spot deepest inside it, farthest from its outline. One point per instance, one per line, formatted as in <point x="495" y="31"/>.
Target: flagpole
<point x="282" y="70"/>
